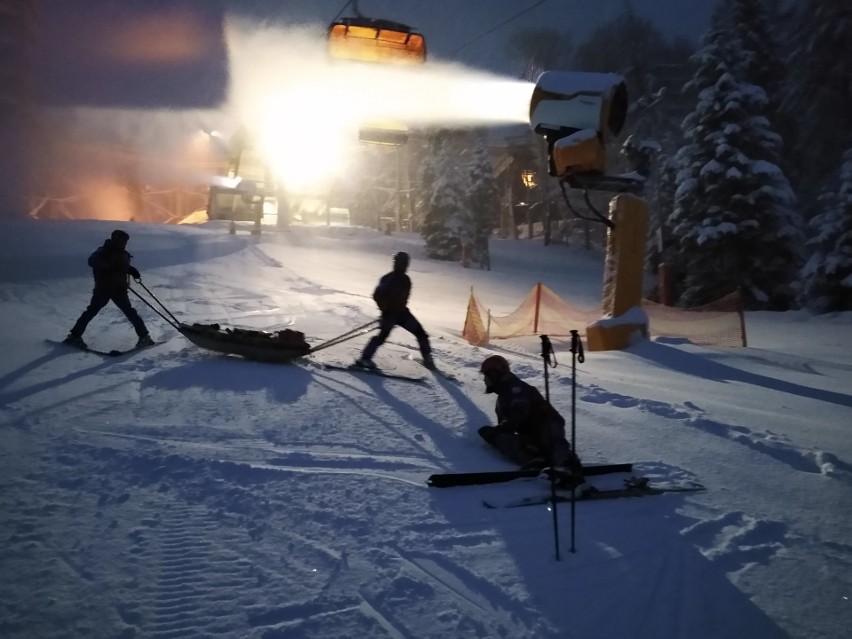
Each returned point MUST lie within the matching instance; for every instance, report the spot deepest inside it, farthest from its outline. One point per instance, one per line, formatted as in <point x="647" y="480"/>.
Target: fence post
<point x="741" y="313"/>
<point x="537" y="306"/>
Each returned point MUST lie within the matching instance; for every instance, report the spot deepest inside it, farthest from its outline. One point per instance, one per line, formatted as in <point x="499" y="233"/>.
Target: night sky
<point x="172" y="53"/>
<point x="449" y="25"/>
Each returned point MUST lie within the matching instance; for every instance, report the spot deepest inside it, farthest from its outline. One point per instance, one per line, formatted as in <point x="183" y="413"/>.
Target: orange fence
<point x="543" y="312"/>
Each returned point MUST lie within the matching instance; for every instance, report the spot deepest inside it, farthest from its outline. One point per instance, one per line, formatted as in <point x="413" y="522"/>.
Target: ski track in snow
<point x="237" y="523"/>
<point x="766" y="442"/>
<point x="204" y="541"/>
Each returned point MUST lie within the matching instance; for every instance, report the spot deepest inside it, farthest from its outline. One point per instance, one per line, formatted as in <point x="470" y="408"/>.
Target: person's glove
<point x="504" y="427"/>
<point x="134" y="273"/>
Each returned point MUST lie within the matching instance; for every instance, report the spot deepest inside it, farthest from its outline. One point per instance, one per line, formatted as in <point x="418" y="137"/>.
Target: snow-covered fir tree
<point x="653" y="66"/>
<point x="662" y="198"/>
<point x="483" y="200"/>
<point x="761" y="63"/>
<point x="448" y="223"/>
<point x="820" y="91"/>
<point x="733" y="223"/>
<point x="827" y="276"/>
<point x="427" y="172"/>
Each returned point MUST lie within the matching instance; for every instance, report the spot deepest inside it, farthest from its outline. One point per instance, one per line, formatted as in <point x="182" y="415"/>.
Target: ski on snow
<point x="448" y="480"/>
<point x="94" y="351"/>
<point x="633" y="487"/>
<point x="442" y="373"/>
<point x="378" y="372"/>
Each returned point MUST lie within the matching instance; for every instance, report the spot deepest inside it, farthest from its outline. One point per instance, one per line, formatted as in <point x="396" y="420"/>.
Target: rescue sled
<point x="262" y="346"/>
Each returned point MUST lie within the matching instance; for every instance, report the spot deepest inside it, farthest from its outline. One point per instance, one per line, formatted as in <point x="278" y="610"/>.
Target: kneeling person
<point x="529" y="430"/>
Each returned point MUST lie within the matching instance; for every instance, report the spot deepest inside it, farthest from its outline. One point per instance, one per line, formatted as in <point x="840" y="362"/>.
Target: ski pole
<point x="576" y="355"/>
<point x="553" y="503"/>
<point x="549" y="358"/>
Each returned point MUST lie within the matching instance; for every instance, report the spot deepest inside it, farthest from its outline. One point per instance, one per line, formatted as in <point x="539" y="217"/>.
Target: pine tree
<point x="820" y="90"/>
<point x="827" y="276"/>
<point x="483" y="200"/>
<point x="540" y="49"/>
<point x="653" y="66"/>
<point x="663" y="197"/>
<point x="733" y="221"/>
<point x="761" y="63"/>
<point x="448" y="225"/>
<point x="427" y="172"/>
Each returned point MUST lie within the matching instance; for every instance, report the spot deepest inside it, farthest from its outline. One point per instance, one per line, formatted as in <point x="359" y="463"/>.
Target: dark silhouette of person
<point x="391" y="296"/>
<point x="111" y="269"/>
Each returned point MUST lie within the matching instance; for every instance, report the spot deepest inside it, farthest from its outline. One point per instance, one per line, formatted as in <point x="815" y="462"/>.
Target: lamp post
<point x="528" y="178"/>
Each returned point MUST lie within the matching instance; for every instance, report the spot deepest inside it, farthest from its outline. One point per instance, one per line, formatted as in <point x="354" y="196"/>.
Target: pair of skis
<point x="380" y="372"/>
<point x="448" y="480"/>
<point x="631" y="487"/>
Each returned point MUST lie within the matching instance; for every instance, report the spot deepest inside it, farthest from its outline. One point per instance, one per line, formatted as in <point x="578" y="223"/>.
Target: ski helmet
<point x="495" y="366"/>
<point x="401" y="261"/>
<point x="493" y="369"/>
<point x="120" y="236"/>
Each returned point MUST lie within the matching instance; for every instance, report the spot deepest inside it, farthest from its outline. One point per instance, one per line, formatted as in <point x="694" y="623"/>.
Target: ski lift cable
<point x="343" y="8"/>
<point x="498" y="26"/>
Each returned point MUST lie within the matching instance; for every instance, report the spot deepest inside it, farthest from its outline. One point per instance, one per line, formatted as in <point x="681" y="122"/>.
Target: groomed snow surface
<point x="176" y="492"/>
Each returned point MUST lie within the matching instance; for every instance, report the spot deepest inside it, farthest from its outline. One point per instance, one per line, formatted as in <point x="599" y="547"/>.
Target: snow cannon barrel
<point x="576" y="113"/>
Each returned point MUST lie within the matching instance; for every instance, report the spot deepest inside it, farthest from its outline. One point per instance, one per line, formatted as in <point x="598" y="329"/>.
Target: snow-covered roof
<point x="576" y="82"/>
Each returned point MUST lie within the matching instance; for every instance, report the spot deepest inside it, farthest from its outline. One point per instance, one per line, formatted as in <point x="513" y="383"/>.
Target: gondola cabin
<point x="375" y="40"/>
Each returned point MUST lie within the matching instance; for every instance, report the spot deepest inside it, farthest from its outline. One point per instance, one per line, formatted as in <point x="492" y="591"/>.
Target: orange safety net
<point x="474" y="331"/>
<point x="720" y="323"/>
<point x="543" y="312"/>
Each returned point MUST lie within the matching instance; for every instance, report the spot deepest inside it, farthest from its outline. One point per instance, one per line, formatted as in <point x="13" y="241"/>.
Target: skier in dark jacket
<point x="529" y="430"/>
<point x="391" y="296"/>
<point x="111" y="268"/>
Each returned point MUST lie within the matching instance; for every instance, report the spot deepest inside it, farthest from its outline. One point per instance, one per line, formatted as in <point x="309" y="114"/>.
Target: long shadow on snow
<point x="698" y="366"/>
<point x="285" y="383"/>
<point x="57" y="350"/>
<point x="440" y="434"/>
<point x="633" y="574"/>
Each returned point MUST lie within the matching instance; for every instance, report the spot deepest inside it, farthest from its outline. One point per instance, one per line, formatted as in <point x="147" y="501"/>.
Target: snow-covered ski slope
<point x="180" y="493"/>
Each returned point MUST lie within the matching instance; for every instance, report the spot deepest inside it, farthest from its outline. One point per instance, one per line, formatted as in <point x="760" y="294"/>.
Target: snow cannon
<point x="576" y="113"/>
